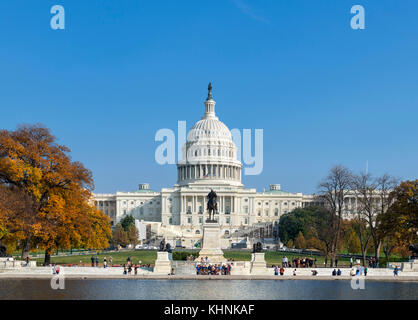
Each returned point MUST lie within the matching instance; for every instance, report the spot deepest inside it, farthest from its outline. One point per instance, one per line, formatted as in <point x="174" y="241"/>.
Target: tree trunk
<point x="364" y="257"/>
<point x="47" y="259"/>
<point x="26" y="247"/>
<point x="377" y="251"/>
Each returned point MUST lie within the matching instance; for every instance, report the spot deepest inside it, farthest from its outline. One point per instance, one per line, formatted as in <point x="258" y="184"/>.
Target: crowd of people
<point x="95" y="261"/>
<point x="130" y="266"/>
<point x="299" y="262"/>
<point x="215" y="269"/>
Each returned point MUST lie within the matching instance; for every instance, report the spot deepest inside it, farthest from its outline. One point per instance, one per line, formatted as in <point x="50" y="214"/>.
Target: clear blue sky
<point x="323" y="93"/>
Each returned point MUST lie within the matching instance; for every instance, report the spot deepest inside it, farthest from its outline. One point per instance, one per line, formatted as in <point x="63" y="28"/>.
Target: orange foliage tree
<point x="51" y="207"/>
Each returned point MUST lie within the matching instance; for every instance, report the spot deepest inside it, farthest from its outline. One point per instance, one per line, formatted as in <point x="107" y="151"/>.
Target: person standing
<point x="351" y="262"/>
<point x="97" y="261"/>
<point x="104" y="262"/>
<point x="276" y="271"/>
<point x="395" y="271"/>
<point x="111" y="261"/>
<point x="365" y="271"/>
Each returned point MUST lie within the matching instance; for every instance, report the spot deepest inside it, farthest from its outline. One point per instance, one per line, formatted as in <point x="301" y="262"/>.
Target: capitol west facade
<point x="209" y="162"/>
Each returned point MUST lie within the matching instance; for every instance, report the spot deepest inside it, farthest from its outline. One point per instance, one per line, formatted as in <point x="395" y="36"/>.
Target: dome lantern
<point x="209" y="105"/>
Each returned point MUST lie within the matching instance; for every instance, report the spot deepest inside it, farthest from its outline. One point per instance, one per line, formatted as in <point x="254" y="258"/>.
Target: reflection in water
<point x="206" y="289"/>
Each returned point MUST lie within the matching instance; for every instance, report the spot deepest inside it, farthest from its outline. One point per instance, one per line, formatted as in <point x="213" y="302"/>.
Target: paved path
<point x="94" y="273"/>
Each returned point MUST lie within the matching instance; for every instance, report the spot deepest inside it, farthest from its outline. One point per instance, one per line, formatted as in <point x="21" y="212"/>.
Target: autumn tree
<point x="119" y="236"/>
<point x="132" y="234"/>
<point x="51" y="193"/>
<point x="400" y="221"/>
<point x="300" y="242"/>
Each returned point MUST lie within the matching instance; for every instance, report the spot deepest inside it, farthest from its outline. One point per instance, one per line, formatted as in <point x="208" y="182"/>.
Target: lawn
<point x="145" y="256"/>
<point x="149" y="256"/>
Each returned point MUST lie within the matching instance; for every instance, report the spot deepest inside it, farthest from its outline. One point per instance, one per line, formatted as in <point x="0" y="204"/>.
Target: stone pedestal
<point x="411" y="266"/>
<point x="9" y="263"/>
<point x="163" y="263"/>
<point x="258" y="263"/>
<point x="211" y="243"/>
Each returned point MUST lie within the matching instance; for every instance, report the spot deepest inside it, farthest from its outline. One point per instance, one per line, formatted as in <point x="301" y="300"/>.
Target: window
<point x="245" y="209"/>
<point x="124" y="211"/>
<point x="276" y="212"/>
<point x="200" y="220"/>
<point x="150" y="211"/>
<point x="259" y="213"/>
<point x="189" y="209"/>
<point x="197" y="232"/>
<point x="285" y="203"/>
<point x="293" y="203"/>
<point x="227" y="210"/>
<point x="200" y="209"/>
<point x="267" y="213"/>
<point x="227" y="232"/>
<point x="189" y="220"/>
<point x="246" y="221"/>
<point x="228" y="220"/>
<point x="132" y="202"/>
<point x="170" y="221"/>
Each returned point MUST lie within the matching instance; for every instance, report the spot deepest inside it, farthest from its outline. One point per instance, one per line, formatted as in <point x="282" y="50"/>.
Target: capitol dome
<point x="209" y="155"/>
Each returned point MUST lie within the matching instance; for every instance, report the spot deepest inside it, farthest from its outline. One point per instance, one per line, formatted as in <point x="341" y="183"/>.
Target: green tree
<point x="298" y="220"/>
<point x="127" y="221"/>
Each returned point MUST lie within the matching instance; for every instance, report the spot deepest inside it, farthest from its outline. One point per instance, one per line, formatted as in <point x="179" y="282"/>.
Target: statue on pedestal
<point x="212" y="205"/>
<point x="162" y="245"/>
<point x="165" y="247"/>
<point x="257" y="247"/>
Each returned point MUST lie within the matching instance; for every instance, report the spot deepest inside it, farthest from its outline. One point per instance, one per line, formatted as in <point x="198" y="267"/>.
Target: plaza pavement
<point x="117" y="273"/>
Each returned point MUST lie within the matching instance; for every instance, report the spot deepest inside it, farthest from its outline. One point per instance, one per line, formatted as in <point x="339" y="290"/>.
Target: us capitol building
<point x="209" y="162"/>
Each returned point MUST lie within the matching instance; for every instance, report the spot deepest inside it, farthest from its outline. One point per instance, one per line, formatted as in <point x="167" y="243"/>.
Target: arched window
<point x="227" y="232"/>
<point x="197" y="232"/>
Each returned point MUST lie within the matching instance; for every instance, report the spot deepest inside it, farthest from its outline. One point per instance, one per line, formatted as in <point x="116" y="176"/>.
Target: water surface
<point x="206" y="289"/>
